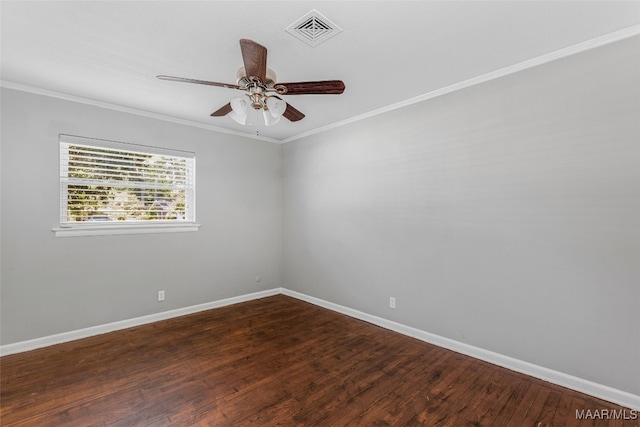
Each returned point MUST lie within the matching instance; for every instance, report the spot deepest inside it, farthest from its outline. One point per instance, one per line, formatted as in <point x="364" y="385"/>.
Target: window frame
<point x="87" y="228"/>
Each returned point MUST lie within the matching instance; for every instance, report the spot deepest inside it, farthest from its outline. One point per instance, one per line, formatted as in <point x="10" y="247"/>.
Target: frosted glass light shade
<point x="239" y="109"/>
<point x="269" y="119"/>
<point x="276" y="106"/>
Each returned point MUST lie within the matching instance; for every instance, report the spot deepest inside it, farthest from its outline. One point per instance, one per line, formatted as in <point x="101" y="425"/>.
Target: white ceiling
<point x="388" y="52"/>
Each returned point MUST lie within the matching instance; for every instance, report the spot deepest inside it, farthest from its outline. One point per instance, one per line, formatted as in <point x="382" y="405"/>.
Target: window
<point x="106" y="185"/>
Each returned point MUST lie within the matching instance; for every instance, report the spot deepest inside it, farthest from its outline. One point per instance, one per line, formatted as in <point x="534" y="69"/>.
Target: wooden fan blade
<point x="254" y="57"/>
<point x="326" y="87"/>
<point x="199" y="82"/>
<point x="291" y="113"/>
<point x="222" y="111"/>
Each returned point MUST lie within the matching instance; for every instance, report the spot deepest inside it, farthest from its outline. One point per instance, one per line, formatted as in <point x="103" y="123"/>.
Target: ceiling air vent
<point x="313" y="28"/>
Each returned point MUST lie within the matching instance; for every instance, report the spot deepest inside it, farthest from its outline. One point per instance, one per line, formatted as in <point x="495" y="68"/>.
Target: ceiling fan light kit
<point x="271" y="112"/>
<point x="261" y="90"/>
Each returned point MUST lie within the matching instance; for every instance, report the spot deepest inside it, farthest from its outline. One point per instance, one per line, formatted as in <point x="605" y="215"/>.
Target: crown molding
<point x="511" y="69"/>
<point x="123" y="109"/>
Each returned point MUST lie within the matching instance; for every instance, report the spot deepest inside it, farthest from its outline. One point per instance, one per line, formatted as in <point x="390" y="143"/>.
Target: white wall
<point x="505" y="215"/>
<point x="52" y="285"/>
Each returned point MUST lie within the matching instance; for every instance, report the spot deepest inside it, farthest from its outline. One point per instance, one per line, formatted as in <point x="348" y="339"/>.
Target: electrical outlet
<point x="392" y="302"/>
<point x="160" y="295"/>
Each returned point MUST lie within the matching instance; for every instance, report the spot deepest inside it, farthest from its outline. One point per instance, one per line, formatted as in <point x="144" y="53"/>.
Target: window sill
<point x="123" y="229"/>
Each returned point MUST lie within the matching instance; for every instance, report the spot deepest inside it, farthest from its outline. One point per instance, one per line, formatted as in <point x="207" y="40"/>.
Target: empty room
<point x="320" y="213"/>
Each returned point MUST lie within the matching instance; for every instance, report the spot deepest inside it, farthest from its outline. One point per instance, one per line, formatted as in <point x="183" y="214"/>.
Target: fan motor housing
<point x="243" y="80"/>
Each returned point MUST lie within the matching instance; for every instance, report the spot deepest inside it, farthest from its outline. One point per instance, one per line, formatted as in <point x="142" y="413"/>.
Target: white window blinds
<point x="118" y="183"/>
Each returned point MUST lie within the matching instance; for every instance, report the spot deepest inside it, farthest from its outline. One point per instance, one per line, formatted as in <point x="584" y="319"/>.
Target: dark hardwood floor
<point x="274" y="361"/>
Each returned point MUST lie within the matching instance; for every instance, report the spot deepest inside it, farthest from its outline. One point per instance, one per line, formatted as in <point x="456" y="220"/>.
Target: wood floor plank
<point x="274" y="361"/>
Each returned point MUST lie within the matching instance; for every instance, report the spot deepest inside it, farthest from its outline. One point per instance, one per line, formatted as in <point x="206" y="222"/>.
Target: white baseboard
<point x="600" y="391"/>
<point x="33" y="344"/>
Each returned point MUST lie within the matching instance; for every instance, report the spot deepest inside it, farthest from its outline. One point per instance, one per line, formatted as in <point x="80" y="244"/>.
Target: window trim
<point x="124" y="229"/>
<point x="72" y="229"/>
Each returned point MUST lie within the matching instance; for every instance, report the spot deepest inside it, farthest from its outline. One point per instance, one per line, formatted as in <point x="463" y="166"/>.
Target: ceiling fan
<point x="262" y="92"/>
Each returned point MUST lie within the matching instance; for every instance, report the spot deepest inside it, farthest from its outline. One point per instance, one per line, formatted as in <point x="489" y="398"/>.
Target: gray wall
<point x="505" y="215"/>
<point x="52" y="285"/>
